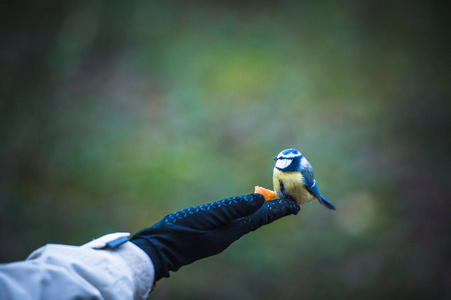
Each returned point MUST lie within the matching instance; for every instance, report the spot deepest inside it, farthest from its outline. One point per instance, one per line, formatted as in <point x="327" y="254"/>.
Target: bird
<point x="293" y="179"/>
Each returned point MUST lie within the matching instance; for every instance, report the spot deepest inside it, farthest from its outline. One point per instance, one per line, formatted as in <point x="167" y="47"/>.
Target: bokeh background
<point x="114" y="114"/>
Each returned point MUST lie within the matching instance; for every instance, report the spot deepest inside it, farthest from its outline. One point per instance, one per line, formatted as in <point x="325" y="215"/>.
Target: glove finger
<point x="212" y="215"/>
<point x="267" y="214"/>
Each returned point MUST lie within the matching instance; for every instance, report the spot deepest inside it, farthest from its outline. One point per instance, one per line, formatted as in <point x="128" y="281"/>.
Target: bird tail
<point x="326" y="203"/>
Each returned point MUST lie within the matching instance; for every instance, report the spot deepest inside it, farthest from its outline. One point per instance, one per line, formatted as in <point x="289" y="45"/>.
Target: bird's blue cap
<point x="288" y="153"/>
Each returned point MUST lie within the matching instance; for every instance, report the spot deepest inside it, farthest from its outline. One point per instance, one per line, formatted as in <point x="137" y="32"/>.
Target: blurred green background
<point x="114" y="114"/>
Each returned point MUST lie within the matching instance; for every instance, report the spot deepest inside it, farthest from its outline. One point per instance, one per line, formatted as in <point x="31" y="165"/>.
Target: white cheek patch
<point x="283" y="163"/>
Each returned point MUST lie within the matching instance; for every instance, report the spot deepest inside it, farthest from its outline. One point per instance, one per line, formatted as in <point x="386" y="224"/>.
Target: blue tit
<point x="293" y="179"/>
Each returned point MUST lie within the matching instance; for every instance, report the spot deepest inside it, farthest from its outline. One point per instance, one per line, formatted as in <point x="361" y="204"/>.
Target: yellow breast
<point x="293" y="184"/>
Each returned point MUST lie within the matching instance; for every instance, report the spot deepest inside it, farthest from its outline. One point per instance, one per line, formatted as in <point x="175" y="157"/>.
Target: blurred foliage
<point x="114" y="114"/>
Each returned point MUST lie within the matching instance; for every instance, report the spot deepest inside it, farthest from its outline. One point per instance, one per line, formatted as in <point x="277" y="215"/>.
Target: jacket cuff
<point x="140" y="265"/>
<point x="137" y="261"/>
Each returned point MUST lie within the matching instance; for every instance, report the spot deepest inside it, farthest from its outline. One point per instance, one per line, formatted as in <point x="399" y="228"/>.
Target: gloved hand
<point x="201" y="231"/>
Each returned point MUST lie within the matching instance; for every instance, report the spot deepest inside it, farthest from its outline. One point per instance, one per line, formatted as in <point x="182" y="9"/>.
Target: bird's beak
<point x="275" y="158"/>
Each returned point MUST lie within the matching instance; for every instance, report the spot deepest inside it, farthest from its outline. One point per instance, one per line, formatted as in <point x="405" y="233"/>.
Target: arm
<point x="94" y="270"/>
<point x="112" y="267"/>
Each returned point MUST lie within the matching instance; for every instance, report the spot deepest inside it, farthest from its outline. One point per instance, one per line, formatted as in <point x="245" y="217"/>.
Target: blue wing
<point x="307" y="174"/>
<point x="310" y="185"/>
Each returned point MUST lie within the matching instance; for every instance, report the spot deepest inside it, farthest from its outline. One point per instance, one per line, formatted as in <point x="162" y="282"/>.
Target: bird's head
<point x="288" y="160"/>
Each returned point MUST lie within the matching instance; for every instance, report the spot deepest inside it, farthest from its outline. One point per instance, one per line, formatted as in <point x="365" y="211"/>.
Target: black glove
<point x="201" y="231"/>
